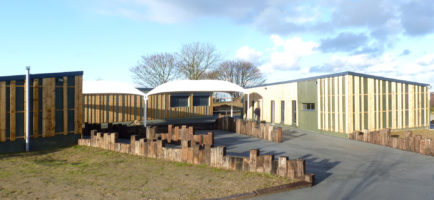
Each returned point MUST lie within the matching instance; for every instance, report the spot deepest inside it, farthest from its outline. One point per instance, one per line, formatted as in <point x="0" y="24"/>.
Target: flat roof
<point x="45" y="75"/>
<point x="342" y="74"/>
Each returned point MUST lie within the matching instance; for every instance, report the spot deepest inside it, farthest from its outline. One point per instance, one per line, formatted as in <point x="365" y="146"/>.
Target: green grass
<point x="90" y="173"/>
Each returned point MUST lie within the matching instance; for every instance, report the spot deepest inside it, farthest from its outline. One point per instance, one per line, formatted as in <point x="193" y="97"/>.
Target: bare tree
<point x="212" y="75"/>
<point x="240" y="72"/>
<point x="195" y="59"/>
<point x="154" y="70"/>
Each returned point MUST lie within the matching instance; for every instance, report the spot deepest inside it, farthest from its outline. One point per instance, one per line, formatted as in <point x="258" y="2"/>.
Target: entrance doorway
<point x="253" y="110"/>
<point x="294" y="112"/>
<point x="282" y="112"/>
<point x="272" y="112"/>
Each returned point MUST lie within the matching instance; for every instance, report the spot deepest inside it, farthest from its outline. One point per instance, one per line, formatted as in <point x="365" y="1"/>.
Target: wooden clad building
<point x="109" y="102"/>
<point x="112" y="102"/>
<point x="55" y="105"/>
<point x="179" y="105"/>
<point x="343" y="103"/>
<point x="110" y="108"/>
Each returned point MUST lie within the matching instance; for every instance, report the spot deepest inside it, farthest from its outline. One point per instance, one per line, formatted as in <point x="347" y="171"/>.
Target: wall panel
<point x="3" y="111"/>
<point x="370" y="103"/>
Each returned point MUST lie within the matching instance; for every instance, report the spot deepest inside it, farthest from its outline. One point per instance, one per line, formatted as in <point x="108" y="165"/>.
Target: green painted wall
<point x="307" y="93"/>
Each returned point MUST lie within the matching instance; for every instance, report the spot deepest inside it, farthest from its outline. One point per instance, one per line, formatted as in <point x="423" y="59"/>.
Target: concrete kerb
<point x="265" y="191"/>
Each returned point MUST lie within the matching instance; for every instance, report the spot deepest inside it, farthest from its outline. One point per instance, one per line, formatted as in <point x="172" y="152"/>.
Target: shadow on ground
<point x="35" y="152"/>
<point x="320" y="167"/>
<point x="372" y="173"/>
<point x="241" y="145"/>
<point x="290" y="134"/>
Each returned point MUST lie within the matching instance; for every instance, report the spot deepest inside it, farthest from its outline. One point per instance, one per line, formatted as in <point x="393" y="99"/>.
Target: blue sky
<point x="285" y="39"/>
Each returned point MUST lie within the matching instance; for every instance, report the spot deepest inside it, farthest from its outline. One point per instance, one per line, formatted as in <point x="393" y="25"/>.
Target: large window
<point x="201" y="99"/>
<point x="179" y="100"/>
<point x="309" y="106"/>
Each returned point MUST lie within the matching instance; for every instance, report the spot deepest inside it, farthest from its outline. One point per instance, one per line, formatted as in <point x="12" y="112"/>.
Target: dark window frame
<point x="201" y="96"/>
<point x="309" y="106"/>
<point x="175" y="103"/>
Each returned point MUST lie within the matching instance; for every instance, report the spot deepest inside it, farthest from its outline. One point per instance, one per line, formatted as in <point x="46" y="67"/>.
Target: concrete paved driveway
<point x="344" y="169"/>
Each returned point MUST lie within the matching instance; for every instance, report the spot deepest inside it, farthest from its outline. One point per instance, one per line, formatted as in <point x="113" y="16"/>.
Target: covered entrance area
<point x="178" y="99"/>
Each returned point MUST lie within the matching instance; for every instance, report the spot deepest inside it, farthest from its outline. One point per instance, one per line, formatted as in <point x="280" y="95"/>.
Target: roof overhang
<point x="197" y="86"/>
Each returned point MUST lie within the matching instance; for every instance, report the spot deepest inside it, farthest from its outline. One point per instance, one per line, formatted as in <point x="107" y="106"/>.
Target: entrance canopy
<point x="197" y="86"/>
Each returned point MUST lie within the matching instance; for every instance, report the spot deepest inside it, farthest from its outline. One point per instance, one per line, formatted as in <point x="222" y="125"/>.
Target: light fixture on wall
<point x="60" y="80"/>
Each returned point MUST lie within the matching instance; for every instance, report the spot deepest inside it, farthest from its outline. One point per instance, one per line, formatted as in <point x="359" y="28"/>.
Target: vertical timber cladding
<point x="110" y="108"/>
<point x="370" y="103"/>
<point x="48" y="107"/>
<point x="159" y="107"/>
<point x="49" y="98"/>
<point x="2" y="111"/>
<point x="332" y="103"/>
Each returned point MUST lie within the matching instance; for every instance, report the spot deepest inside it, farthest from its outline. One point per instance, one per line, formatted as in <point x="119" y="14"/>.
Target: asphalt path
<point x="344" y="169"/>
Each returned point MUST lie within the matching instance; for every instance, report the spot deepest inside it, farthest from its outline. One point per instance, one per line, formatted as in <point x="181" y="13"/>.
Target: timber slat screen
<point x="354" y="103"/>
<point x="109" y="108"/>
<point x="55" y="105"/>
<point x="160" y="107"/>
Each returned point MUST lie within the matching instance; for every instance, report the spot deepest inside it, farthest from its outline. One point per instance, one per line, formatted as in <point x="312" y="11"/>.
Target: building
<point x="342" y="103"/>
<point x="109" y="102"/>
<point x="180" y="105"/>
<point x="431" y="100"/>
<point x="113" y="102"/>
<point x="55" y="101"/>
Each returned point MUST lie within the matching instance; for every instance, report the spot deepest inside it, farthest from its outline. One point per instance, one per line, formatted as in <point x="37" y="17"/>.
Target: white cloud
<point x="286" y="54"/>
<point x="387" y="65"/>
<point x="266" y="68"/>
<point x="247" y="53"/>
<point x="426" y="60"/>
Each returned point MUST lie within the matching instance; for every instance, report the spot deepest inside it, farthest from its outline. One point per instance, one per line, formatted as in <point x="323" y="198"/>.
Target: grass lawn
<point x="425" y="133"/>
<point x="89" y="173"/>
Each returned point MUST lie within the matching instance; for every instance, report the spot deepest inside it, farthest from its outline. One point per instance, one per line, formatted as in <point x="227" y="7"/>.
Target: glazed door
<point x="294" y="112"/>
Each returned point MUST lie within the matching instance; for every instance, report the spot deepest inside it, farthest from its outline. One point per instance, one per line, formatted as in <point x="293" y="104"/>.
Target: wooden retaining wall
<point x="181" y="133"/>
<point x="195" y="153"/>
<point x="262" y="130"/>
<point x="56" y="105"/>
<point x="251" y="128"/>
<point x="413" y="143"/>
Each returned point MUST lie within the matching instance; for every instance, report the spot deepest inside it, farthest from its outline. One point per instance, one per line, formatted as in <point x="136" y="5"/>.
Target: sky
<point x="286" y="39"/>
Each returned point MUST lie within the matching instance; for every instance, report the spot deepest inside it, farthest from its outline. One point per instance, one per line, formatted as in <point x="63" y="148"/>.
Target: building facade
<point x="55" y="102"/>
<point x="343" y="103"/>
<point x="112" y="107"/>
<point x="113" y="102"/>
<point x="180" y="105"/>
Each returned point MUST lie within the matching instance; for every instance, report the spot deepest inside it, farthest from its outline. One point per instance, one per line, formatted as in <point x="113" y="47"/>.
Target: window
<point x="179" y="100"/>
<point x="309" y="106"/>
<point x="201" y="99"/>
